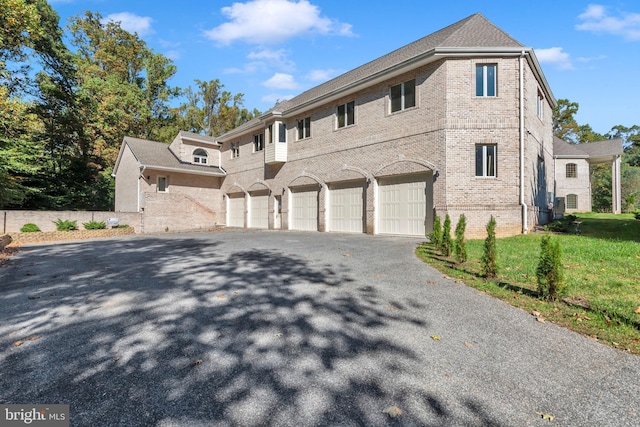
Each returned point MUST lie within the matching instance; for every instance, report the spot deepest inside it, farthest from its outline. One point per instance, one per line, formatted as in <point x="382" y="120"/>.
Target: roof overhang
<point x="202" y="141"/>
<point x="204" y="172"/>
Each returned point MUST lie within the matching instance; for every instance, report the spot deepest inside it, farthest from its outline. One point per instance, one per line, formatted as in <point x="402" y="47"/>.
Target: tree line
<point x="69" y="95"/>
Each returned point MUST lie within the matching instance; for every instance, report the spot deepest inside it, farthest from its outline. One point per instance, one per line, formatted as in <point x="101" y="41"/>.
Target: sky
<point x="272" y="50"/>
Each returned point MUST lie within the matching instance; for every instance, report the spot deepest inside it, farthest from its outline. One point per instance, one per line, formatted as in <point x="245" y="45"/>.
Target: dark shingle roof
<point x="472" y="32"/>
<point x="475" y="31"/>
<point x="590" y="150"/>
<point x="196" y="137"/>
<point x="156" y="155"/>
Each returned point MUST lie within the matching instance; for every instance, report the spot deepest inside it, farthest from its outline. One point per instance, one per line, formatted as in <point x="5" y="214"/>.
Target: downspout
<point x="142" y="168"/>
<point x="523" y="204"/>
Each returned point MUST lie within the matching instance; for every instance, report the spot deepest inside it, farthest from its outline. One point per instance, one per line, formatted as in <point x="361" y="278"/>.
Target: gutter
<point x="523" y="204"/>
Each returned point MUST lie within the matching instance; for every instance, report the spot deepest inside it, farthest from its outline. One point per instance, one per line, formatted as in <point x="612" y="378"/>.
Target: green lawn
<point x="602" y="277"/>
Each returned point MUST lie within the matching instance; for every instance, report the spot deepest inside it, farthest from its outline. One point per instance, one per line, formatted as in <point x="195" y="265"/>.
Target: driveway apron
<point x="264" y="328"/>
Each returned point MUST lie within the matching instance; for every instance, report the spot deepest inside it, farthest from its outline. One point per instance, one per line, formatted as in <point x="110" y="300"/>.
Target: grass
<point x="602" y="277"/>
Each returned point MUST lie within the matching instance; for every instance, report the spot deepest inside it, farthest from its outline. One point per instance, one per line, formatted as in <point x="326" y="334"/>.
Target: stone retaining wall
<point x="12" y="220"/>
<point x="48" y="236"/>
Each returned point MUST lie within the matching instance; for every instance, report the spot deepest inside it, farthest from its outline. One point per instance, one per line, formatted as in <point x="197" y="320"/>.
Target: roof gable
<point x="595" y="152"/>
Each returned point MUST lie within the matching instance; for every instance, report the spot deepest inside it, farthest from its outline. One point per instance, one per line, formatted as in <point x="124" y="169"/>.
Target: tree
<point x="436" y="235"/>
<point x="212" y="111"/>
<point x="447" y="244"/>
<point x="489" y="263"/>
<point x="549" y="272"/>
<point x="565" y="126"/>
<point x="460" y="244"/>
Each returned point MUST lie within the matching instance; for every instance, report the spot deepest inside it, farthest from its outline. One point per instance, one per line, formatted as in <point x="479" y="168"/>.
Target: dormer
<point x="196" y="149"/>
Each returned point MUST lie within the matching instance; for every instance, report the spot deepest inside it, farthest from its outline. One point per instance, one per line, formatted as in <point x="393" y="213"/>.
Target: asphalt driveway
<point x="241" y="328"/>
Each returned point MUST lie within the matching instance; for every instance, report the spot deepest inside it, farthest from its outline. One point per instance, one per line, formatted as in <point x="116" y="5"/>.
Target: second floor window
<point x="258" y="142"/>
<point x="486" y="80"/>
<point x="486" y="160"/>
<point x="235" y="150"/>
<point x="572" y="170"/>
<point x="346" y="114"/>
<point x="282" y="132"/>
<point x="540" y="106"/>
<point x="403" y="96"/>
<point x="200" y="156"/>
<point x="304" y="128"/>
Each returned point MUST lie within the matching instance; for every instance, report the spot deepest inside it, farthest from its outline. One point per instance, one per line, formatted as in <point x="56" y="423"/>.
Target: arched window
<point x="572" y="170"/>
<point x="200" y="156"/>
<point x="572" y="201"/>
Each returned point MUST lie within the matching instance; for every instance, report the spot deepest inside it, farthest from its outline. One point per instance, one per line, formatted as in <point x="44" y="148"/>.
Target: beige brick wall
<point x="439" y="134"/>
<point x="13" y="220"/>
<point x="176" y="212"/>
<point x="579" y="186"/>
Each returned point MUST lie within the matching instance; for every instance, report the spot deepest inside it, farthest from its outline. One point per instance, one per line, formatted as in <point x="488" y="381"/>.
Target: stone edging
<point x="4" y="241"/>
<point x="48" y="236"/>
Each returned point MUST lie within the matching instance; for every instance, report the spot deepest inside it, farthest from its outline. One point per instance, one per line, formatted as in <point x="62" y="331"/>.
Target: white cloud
<point x="132" y="22"/>
<point x="597" y="19"/>
<point x="591" y="58"/>
<point x="321" y="75"/>
<point x="281" y="81"/>
<point x="554" y="55"/>
<point x="275" y="58"/>
<point x="274" y="98"/>
<point x="273" y="21"/>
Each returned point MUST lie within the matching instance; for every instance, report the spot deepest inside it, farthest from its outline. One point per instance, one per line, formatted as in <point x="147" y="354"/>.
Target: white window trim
<point x="255" y="145"/>
<point x="346" y="114"/>
<point x="304" y="129"/>
<point x="197" y="158"/>
<point x="485" y="86"/>
<point x="540" y="106"/>
<point x="235" y="150"/>
<point x="484" y="162"/>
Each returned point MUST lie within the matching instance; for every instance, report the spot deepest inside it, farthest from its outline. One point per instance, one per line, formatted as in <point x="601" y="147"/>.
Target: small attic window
<point x="200" y="156"/>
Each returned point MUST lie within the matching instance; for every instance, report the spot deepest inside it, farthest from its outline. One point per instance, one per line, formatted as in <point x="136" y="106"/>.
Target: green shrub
<point x="636" y="214"/>
<point x="94" y="225"/>
<point x="435" y="236"/>
<point x="121" y="226"/>
<point x="460" y="245"/>
<point x="549" y="271"/>
<point x="489" y="261"/>
<point x="562" y="225"/>
<point x="447" y="244"/>
<point x="65" y="225"/>
<point x="29" y="228"/>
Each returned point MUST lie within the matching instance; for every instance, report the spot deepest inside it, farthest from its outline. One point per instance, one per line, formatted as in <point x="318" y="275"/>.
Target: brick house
<point x="457" y="122"/>
<point x="572" y="173"/>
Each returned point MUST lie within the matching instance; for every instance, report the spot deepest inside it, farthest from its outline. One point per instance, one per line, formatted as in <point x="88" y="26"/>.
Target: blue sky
<point x="275" y="49"/>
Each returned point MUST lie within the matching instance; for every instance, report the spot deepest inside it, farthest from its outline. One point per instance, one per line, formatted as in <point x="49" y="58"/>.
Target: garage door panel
<point x="403" y="205"/>
<point x="346" y="208"/>
<point x="236" y="211"/>
<point x="259" y="211"/>
<point x="304" y="209"/>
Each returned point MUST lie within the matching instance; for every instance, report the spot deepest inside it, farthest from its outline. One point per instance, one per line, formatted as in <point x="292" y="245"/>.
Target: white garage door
<point x="304" y="209"/>
<point x="259" y="211"/>
<point x="235" y="215"/>
<point x="405" y="205"/>
<point x="346" y="208"/>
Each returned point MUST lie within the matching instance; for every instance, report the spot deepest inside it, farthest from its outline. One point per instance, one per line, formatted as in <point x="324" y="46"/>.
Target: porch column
<point x="616" y="191"/>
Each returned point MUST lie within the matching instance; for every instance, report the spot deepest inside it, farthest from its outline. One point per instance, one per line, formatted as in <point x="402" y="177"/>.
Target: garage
<point x="235" y="211"/>
<point x="304" y="208"/>
<point x="346" y="207"/>
<point x="405" y="205"/>
<point x="259" y="210"/>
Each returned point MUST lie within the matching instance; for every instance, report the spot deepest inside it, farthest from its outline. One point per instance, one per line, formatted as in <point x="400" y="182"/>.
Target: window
<point x="235" y="150"/>
<point x="486" y="80"/>
<point x="572" y="170"/>
<point x="540" y="106"/>
<point x="162" y="184"/>
<point x="304" y="128"/>
<point x="403" y="96"/>
<point x="269" y="132"/>
<point x="486" y="160"/>
<point x="282" y="132"/>
<point x="200" y="156"/>
<point x="572" y="201"/>
<point x="346" y="116"/>
<point x="258" y="142"/>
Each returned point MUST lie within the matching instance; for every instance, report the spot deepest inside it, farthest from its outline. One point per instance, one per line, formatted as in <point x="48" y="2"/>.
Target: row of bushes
<point x="549" y="272"/>
<point x="68" y="225"/>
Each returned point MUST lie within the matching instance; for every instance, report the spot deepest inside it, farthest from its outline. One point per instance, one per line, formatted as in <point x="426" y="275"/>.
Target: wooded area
<point x="64" y="110"/>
